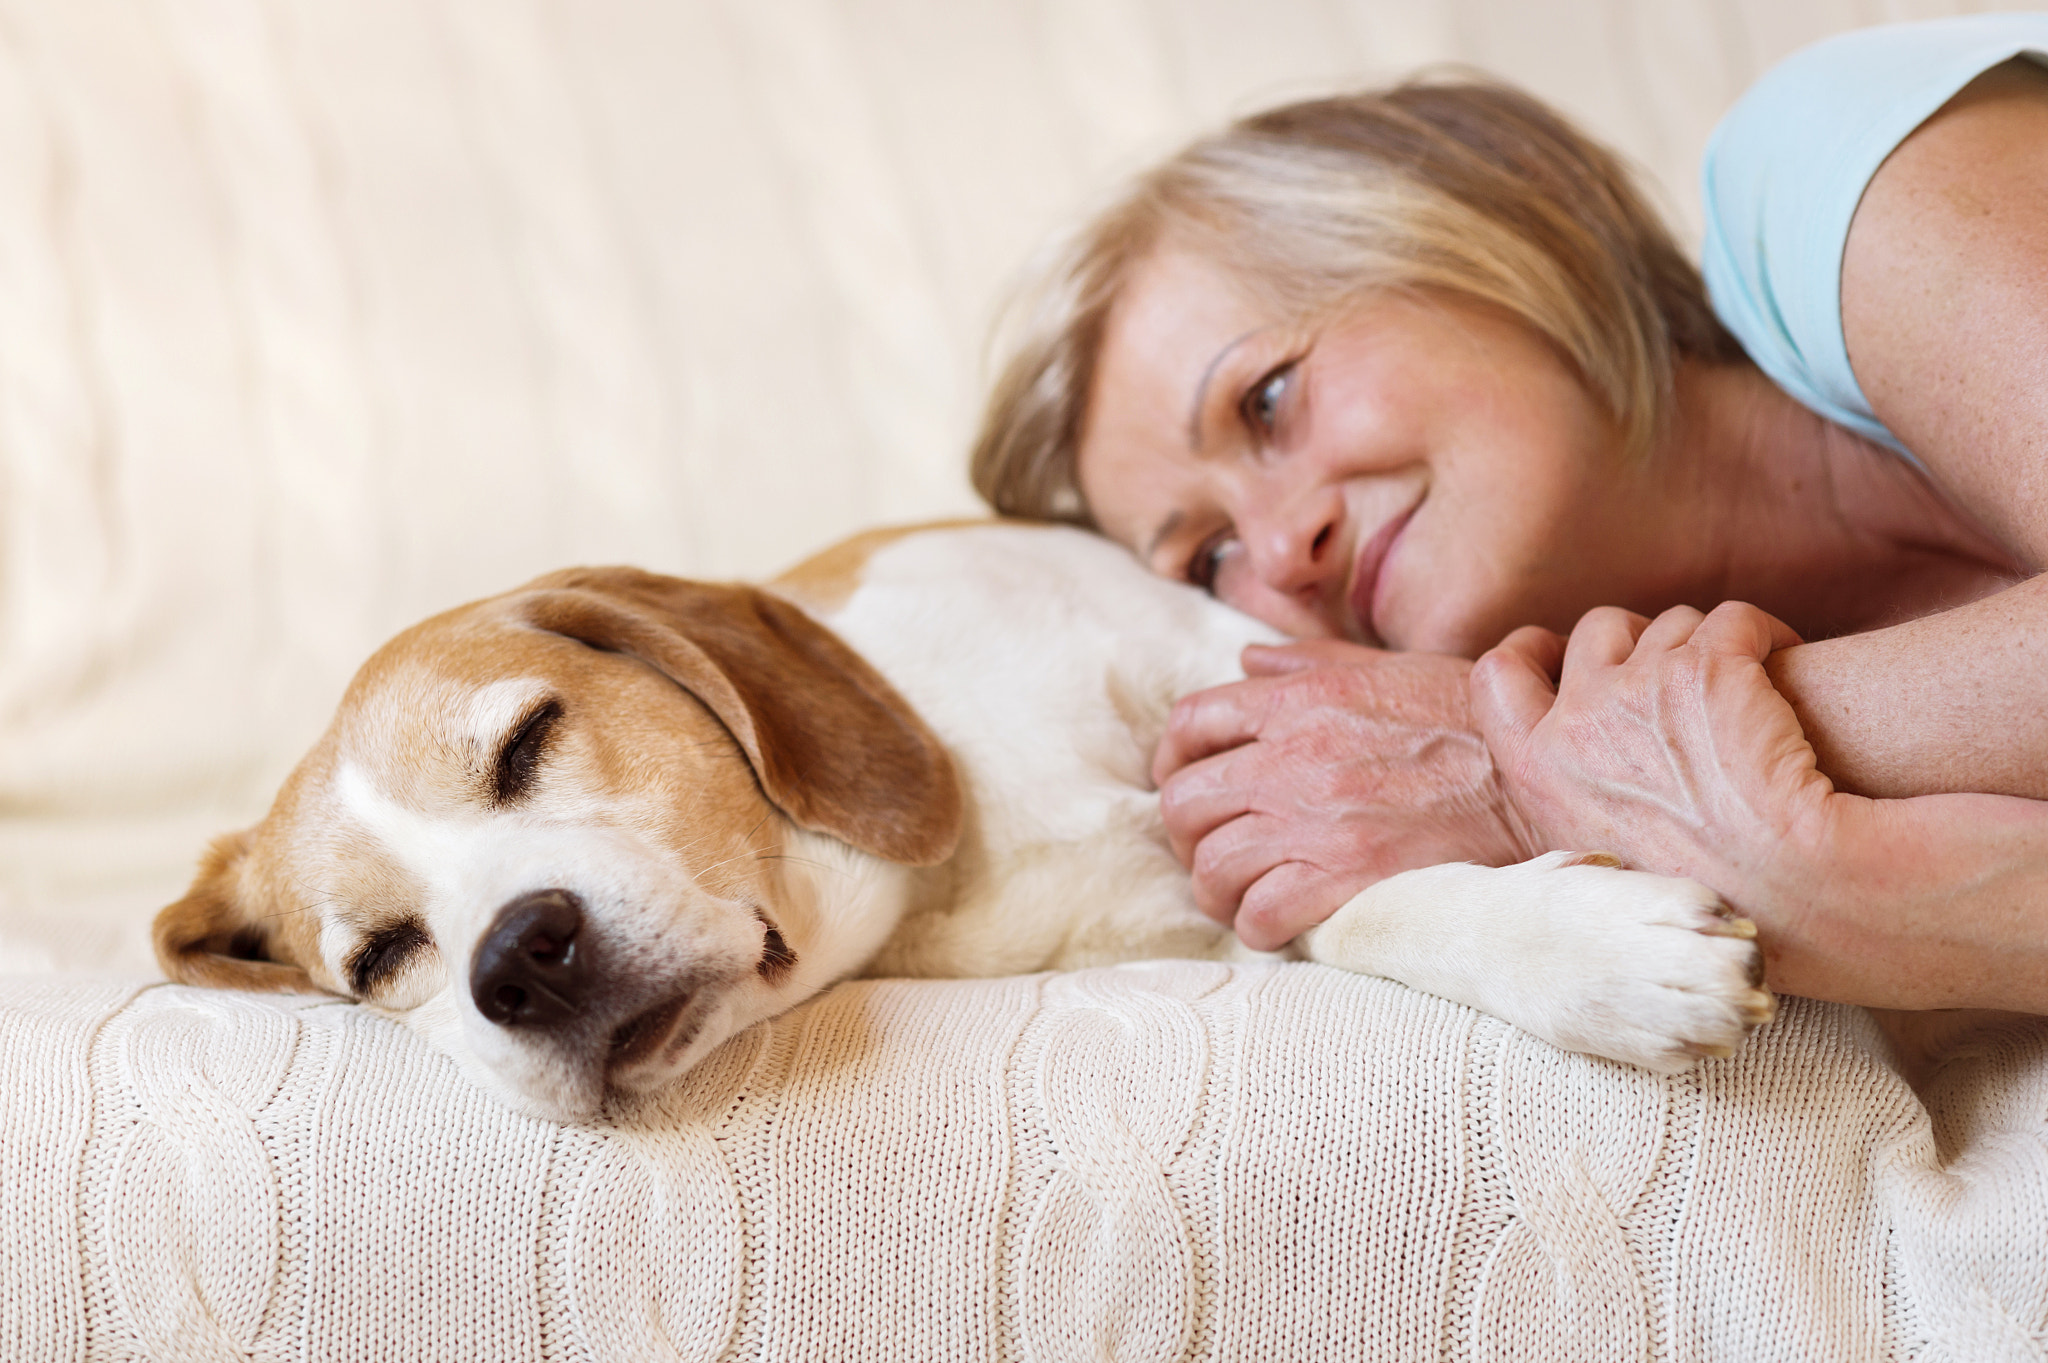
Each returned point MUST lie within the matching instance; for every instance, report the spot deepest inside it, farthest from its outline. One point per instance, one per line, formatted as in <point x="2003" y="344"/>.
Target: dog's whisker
<point x="801" y="861"/>
<point x="753" y="853"/>
<point x="748" y="837"/>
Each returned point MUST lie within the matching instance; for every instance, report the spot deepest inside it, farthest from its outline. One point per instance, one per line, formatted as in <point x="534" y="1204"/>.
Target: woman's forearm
<point x="1947" y="703"/>
<point x="1935" y="902"/>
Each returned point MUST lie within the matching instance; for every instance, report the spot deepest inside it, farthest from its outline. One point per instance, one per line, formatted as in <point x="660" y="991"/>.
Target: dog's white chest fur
<point x="1047" y="661"/>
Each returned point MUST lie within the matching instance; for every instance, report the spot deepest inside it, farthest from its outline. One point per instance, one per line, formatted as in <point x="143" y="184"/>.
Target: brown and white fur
<point x="579" y="834"/>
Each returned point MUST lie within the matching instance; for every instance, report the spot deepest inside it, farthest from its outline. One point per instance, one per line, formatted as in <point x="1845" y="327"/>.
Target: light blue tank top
<point x="1785" y="170"/>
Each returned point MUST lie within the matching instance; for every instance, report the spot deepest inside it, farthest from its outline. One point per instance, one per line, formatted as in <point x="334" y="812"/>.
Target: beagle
<point x="579" y="834"/>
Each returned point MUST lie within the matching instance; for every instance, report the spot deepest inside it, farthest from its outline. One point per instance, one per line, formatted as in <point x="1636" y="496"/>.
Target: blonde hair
<point x="1467" y="188"/>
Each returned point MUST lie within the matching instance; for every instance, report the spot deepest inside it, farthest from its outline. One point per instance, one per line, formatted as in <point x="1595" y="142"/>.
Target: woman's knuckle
<point x="1740" y="615"/>
<point x="1186" y="711"/>
<point x="1488" y="666"/>
<point x="1212" y="860"/>
<point x="1266" y="917"/>
<point x="1601" y="618"/>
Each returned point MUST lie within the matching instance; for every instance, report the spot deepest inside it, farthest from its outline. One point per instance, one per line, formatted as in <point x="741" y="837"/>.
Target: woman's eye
<point x="1207" y="564"/>
<point x="1262" y="403"/>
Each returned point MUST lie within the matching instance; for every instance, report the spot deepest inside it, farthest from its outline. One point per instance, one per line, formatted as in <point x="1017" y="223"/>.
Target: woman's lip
<point x="1365" y="577"/>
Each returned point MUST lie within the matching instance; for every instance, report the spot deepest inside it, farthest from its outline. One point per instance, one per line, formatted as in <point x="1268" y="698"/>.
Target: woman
<point x="1418" y="370"/>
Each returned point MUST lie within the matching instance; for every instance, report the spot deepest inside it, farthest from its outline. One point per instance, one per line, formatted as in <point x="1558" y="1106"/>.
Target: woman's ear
<point x="214" y="938"/>
<point x="832" y="743"/>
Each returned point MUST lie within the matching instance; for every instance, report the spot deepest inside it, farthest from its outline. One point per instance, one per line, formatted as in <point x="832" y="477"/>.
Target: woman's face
<point x="1420" y="473"/>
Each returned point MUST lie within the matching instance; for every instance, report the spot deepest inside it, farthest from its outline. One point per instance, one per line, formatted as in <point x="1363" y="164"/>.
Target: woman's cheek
<point x="1277" y="609"/>
<point x="1444" y="604"/>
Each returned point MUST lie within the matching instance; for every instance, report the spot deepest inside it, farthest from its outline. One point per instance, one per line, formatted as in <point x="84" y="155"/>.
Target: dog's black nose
<point x="530" y="970"/>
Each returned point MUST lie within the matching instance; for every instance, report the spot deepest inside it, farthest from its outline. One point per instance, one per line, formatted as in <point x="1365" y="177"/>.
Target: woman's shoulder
<point x="1787" y="166"/>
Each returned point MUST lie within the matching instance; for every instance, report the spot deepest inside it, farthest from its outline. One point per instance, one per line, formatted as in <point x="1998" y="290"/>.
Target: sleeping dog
<point x="579" y="834"/>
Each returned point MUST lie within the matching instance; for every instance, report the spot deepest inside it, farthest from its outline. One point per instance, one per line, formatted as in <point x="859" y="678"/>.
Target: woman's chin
<point x="1440" y="627"/>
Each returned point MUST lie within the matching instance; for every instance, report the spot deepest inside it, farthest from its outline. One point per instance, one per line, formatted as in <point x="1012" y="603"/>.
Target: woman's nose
<point x="1294" y="545"/>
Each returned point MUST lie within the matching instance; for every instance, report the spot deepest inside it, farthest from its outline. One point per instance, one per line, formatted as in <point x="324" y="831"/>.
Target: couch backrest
<point x="317" y="316"/>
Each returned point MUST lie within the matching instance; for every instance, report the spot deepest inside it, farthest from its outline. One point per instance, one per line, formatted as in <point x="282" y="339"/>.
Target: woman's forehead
<point x="1135" y="482"/>
<point x="1176" y="310"/>
<point x="1175" y="322"/>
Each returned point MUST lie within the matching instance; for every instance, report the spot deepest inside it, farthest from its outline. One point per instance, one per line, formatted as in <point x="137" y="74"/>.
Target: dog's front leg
<point x="1568" y="947"/>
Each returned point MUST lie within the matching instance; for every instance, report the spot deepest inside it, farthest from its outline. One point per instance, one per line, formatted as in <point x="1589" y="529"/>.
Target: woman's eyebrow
<point x="1202" y="388"/>
<point x="1166" y="527"/>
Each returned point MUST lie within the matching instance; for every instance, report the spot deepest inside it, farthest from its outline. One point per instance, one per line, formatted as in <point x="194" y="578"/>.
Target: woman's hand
<point x="1332" y="767"/>
<point x="1662" y="741"/>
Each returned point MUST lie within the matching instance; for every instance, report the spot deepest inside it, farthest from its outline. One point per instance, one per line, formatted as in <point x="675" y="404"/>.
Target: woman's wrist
<point x="1934" y="902"/>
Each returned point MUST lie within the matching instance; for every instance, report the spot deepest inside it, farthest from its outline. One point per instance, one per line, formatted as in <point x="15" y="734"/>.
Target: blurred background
<point x="319" y="316"/>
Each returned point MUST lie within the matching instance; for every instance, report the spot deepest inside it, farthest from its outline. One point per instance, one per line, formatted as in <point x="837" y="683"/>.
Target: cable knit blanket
<point x="1171" y="1161"/>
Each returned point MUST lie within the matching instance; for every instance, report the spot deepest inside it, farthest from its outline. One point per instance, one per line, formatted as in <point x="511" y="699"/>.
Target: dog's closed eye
<point x="382" y="953"/>
<point x="521" y="755"/>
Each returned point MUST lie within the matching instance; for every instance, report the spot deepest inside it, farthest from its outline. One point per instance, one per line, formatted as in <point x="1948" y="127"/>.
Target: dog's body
<point x="581" y="833"/>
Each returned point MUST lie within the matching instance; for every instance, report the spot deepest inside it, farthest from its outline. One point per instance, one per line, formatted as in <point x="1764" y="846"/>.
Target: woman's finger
<point x="1200" y="798"/>
<point x="1280" y="660"/>
<point x="1226" y="863"/>
<point x="1208" y="722"/>
<point x="1744" y="630"/>
<point x="1670" y="630"/>
<point x="1604" y="637"/>
<point x="1543" y="648"/>
<point x="1285" y="902"/>
<point x="1512" y="686"/>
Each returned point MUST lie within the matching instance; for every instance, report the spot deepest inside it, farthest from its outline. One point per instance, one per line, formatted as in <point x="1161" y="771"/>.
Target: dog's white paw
<point x="1648" y="969"/>
<point x="1570" y="947"/>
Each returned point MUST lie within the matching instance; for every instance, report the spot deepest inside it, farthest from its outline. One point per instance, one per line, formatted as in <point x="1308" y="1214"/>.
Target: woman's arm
<point x="1675" y="748"/>
<point x="1945" y="301"/>
<point x="1339" y="765"/>
<point x="1666" y="743"/>
<point x="1951" y="702"/>
<point x="1945" y="312"/>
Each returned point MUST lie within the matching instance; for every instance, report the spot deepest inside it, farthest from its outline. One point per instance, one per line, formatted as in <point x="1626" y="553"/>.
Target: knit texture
<point x="1178" y="1160"/>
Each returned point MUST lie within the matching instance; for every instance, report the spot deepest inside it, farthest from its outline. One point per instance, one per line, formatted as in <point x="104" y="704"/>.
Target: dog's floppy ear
<point x="212" y="938"/>
<point x="831" y="743"/>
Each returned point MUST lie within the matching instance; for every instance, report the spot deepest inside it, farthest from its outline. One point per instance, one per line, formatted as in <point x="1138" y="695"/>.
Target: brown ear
<point x="832" y="744"/>
<point x="211" y="938"/>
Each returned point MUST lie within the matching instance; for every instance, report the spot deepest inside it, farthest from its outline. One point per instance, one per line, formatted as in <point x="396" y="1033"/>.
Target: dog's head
<point x="549" y="830"/>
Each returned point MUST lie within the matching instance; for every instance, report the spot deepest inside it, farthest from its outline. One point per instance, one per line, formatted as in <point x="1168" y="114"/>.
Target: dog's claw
<point x="1732" y="927"/>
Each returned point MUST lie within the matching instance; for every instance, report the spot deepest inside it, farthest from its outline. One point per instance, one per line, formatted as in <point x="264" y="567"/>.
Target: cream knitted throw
<point x="1168" y="1161"/>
